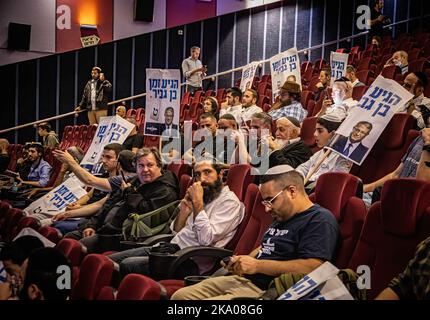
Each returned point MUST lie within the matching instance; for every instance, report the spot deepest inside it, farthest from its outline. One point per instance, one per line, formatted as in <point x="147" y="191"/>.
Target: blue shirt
<point x="41" y="173"/>
<point x="411" y="159"/>
<point x="294" y="110"/>
<point x="313" y="233"/>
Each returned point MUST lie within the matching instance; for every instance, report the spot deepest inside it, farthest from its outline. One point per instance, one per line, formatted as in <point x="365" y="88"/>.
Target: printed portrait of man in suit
<point x="168" y="128"/>
<point x="352" y="146"/>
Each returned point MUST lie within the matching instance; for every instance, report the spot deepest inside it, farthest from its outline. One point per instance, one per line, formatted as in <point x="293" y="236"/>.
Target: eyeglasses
<point x="269" y="203"/>
<point x="407" y="86"/>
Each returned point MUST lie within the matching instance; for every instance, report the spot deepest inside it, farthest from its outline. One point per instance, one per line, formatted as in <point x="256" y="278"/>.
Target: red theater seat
<point x="393" y="228"/>
<point x="95" y="273"/>
<point x="238" y="178"/>
<point x="72" y="249"/>
<point x="348" y="209"/>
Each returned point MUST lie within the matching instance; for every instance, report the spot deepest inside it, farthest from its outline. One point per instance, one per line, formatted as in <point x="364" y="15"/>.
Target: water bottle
<point x="14" y="187"/>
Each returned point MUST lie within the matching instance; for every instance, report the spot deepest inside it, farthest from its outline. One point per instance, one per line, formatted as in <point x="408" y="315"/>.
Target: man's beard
<point x="211" y="191"/>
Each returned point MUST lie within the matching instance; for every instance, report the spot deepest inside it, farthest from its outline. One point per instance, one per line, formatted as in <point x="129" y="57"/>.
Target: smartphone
<point x="226" y="260"/>
<point x="123" y="176"/>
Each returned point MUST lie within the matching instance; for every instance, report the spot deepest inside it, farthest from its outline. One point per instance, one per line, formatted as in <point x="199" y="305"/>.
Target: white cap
<point x="332" y="117"/>
<point x="283" y="168"/>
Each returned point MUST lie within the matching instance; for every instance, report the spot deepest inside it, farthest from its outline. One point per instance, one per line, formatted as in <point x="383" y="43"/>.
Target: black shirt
<point x="134" y="141"/>
<point x="4" y="162"/>
<point x="313" y="233"/>
<point x="377" y="28"/>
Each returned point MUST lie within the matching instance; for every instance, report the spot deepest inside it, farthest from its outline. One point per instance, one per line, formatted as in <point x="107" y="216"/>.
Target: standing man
<point x="95" y="97"/>
<point x="193" y="71"/>
<point x="377" y="19"/>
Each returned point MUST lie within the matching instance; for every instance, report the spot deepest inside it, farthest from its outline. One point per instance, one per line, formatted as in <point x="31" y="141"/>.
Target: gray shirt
<point x="189" y="65"/>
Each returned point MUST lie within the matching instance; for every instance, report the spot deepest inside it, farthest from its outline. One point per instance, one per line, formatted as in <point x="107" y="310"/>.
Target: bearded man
<point x="208" y="215"/>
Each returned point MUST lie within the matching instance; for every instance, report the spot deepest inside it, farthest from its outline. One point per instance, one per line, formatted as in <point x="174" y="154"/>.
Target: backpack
<point x="139" y="227"/>
<point x="287" y="280"/>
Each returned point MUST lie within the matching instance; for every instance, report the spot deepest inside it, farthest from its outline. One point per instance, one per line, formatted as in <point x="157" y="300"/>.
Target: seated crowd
<point x="135" y="183"/>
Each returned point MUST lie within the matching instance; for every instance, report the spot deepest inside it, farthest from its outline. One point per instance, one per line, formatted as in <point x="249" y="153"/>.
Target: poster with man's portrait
<point x="364" y="124"/>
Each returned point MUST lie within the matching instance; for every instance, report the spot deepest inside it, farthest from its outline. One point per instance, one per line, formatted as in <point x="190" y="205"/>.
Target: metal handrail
<point x="34" y="123"/>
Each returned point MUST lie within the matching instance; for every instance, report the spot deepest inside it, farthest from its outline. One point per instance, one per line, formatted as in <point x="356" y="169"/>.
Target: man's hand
<point x="425" y="133"/>
<point x="381" y="18"/>
<point x="73" y="206"/>
<point x="78" y="108"/>
<point x="31" y="193"/>
<point x="272" y="144"/>
<point x="244" y="265"/>
<point x="224" y="104"/>
<point x="195" y="194"/>
<point x="88" y="232"/>
<point x="63" y="156"/>
<point x="61" y="216"/>
<point x="319" y="85"/>
<point x="185" y="207"/>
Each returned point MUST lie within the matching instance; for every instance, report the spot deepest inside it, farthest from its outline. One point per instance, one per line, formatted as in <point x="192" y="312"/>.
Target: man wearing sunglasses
<point x="302" y="237"/>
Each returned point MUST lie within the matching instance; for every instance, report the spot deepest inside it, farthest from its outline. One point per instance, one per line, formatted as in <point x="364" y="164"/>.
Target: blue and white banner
<point x="338" y="64"/>
<point x="57" y="200"/>
<point x="364" y="124"/>
<point x="320" y="284"/>
<point x="163" y="98"/>
<point x="110" y="130"/>
<point x="284" y="66"/>
<point x="248" y="74"/>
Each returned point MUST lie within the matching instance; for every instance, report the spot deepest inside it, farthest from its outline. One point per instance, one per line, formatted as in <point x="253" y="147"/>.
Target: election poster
<point x="338" y="64"/>
<point x="248" y="74"/>
<point x="57" y="199"/>
<point x="364" y="124"/>
<point x="321" y="284"/>
<point x="284" y="66"/>
<point x="163" y="97"/>
<point x="110" y="130"/>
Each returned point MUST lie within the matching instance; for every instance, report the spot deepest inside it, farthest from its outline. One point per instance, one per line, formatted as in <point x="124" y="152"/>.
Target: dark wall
<point x="53" y="85"/>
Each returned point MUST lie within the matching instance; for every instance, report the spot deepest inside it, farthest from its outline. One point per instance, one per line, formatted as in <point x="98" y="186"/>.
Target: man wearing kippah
<point x="302" y="236"/>
<point x="288" y="147"/>
<point x="95" y="97"/>
<point x="325" y="129"/>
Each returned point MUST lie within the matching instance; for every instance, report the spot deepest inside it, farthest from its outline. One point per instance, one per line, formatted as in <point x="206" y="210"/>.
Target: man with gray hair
<point x="193" y="71"/>
<point x="301" y="238"/>
<point x="400" y="59"/>
<point x="288" y="147"/>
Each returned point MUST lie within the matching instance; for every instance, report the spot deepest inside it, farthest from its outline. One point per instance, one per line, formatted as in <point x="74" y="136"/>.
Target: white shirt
<point x="215" y="225"/>
<point x="93" y="94"/>
<point x="333" y="163"/>
<point x="196" y="78"/>
<point x="235" y="111"/>
<point x="247" y="113"/>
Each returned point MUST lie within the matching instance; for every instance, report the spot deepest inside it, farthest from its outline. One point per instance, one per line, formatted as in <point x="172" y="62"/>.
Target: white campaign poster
<point x="320" y="284"/>
<point x="110" y="130"/>
<point x="162" y="102"/>
<point x="57" y="200"/>
<point x="364" y="124"/>
<point x="248" y="74"/>
<point x="284" y="66"/>
<point x="338" y="64"/>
